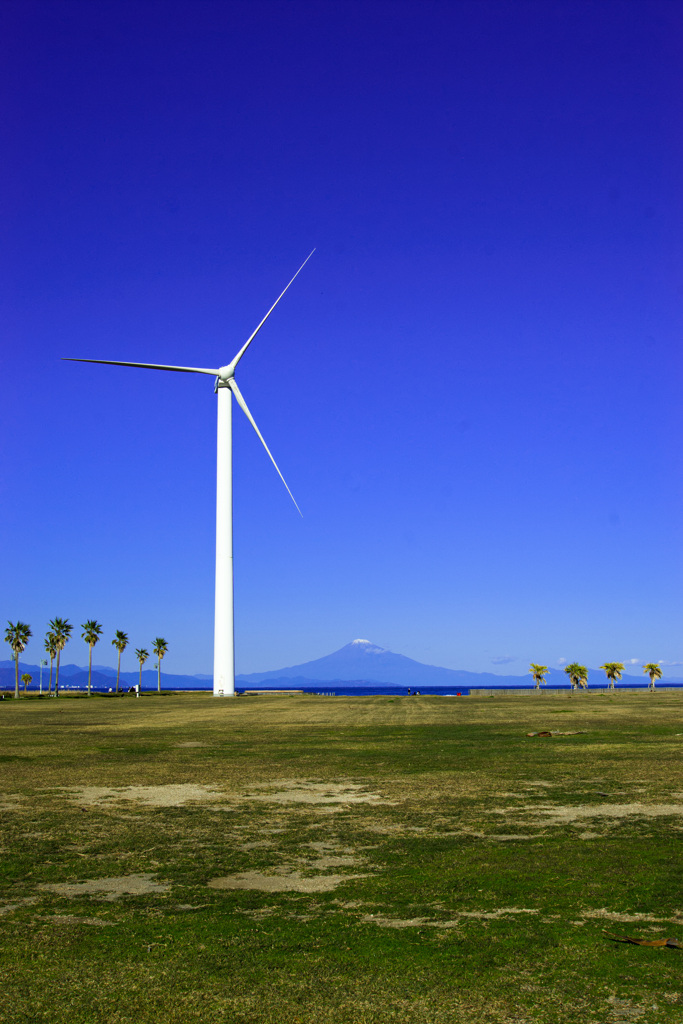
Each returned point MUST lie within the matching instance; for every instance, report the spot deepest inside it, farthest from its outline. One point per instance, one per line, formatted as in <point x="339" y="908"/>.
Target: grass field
<point x="310" y="859"/>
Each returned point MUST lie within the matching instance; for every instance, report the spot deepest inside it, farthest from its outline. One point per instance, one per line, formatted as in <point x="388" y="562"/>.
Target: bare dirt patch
<point x="425" y="922"/>
<point x="323" y="848"/>
<point x="623" y="1011"/>
<point x="281" y="880"/>
<point x="608" y="915"/>
<point x="507" y="839"/>
<point x="493" y="915"/>
<point x="560" y="815"/>
<point x="176" y="795"/>
<point x="382" y="922"/>
<point x="556" y="814"/>
<point x="74" y="919"/>
<point x="7" y="908"/>
<point x="10" y="802"/>
<point x="298" y="792"/>
<point x="109" y="888"/>
<point x="191" y="743"/>
<point x="341" y="861"/>
<point x="412" y="922"/>
<point x="333" y="795"/>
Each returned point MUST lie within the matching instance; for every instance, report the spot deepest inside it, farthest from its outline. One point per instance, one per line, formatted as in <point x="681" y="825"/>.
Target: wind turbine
<point x="225" y="387"/>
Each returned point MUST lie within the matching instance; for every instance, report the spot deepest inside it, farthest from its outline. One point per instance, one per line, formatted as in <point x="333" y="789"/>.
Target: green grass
<point x="477" y="882"/>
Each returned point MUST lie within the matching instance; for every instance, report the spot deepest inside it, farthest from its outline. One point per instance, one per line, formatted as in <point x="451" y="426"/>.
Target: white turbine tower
<point x="225" y="387"/>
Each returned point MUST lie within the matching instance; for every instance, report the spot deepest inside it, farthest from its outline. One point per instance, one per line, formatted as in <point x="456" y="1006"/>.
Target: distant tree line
<point x="578" y="674"/>
<point x="18" y="634"/>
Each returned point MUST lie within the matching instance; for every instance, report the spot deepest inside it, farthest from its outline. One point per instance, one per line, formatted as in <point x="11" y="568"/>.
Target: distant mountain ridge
<point x="362" y="661"/>
<point x="102" y="678"/>
<point x="359" y="663"/>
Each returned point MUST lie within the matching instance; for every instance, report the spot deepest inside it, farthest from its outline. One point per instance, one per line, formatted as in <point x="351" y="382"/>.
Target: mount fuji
<point x="359" y="665"/>
<point x="362" y="662"/>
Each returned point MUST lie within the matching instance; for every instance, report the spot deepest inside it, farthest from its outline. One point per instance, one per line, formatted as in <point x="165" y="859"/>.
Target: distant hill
<point x="357" y="664"/>
<point x="102" y="678"/>
<point x="364" y="661"/>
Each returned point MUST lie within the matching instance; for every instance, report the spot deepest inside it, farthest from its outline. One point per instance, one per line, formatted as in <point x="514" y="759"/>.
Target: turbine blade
<point x="144" y="366"/>
<point x="232" y="384"/>
<point x="251" y="337"/>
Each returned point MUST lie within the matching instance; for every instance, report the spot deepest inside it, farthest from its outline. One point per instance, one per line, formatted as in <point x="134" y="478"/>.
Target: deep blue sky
<point x="473" y="389"/>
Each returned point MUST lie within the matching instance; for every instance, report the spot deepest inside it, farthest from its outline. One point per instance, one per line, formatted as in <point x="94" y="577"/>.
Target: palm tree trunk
<point x="159" y="675"/>
<point x="118" y="672"/>
<point x="16" y="674"/>
<point x="89" y="669"/>
<point x="52" y="658"/>
<point x="59" y="651"/>
<point x="140" y="683"/>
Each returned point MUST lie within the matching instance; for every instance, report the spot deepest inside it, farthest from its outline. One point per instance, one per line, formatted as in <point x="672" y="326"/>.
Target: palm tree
<point x="142" y="655"/>
<point x="652" y="670"/>
<point x="159" y="647"/>
<point x="91" y="634"/>
<point x="613" y="670"/>
<point x="120" y="642"/>
<point x="578" y="675"/>
<point x="17" y="636"/>
<point x="539" y="672"/>
<point x="51" y="648"/>
<point x="26" y="679"/>
<point x="61" y="629"/>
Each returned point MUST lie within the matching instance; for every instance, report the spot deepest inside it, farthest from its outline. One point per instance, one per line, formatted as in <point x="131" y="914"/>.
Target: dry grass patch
<point x="109" y="888"/>
<point x="610" y="915"/>
<point x="558" y="815"/>
<point x="296" y="791"/>
<point x="96" y="922"/>
<point x="172" y="795"/>
<point x="27" y="901"/>
<point x="283" y="879"/>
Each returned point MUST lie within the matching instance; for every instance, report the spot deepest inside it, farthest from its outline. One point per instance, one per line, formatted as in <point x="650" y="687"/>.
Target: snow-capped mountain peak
<point x="366" y="646"/>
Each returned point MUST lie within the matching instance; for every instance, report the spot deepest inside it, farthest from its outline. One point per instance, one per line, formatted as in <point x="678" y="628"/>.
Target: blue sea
<point x="340" y="690"/>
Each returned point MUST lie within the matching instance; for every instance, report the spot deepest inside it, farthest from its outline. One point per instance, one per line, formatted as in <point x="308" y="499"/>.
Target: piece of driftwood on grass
<point x="671" y="943"/>
<point x="546" y="732"/>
